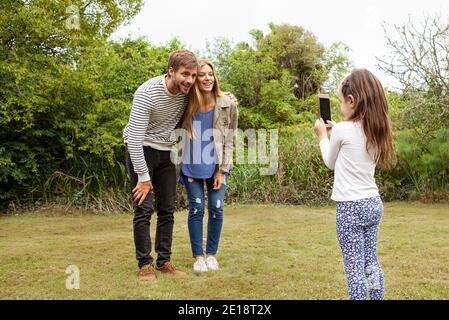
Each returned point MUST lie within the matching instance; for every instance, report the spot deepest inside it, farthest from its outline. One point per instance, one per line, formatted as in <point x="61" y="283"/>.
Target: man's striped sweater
<point x="154" y="115"/>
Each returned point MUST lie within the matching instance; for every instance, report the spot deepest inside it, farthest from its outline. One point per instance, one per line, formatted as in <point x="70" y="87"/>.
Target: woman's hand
<point x="219" y="179"/>
<point x="320" y="129"/>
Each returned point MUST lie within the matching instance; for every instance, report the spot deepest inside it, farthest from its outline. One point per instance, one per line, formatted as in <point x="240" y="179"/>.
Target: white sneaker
<point x="212" y="263"/>
<point x="200" y="266"/>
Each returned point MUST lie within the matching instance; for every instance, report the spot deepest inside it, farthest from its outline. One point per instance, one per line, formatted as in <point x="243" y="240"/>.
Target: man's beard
<point x="177" y="85"/>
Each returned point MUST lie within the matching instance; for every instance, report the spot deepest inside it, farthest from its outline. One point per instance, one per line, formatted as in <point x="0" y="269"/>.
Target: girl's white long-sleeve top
<point x="346" y="153"/>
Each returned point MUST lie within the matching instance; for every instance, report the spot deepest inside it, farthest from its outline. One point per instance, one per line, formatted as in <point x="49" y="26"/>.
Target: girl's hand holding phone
<point x="321" y="129"/>
<point x="330" y="125"/>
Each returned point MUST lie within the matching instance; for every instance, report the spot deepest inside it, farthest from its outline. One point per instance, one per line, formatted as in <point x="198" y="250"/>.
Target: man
<point x="158" y="106"/>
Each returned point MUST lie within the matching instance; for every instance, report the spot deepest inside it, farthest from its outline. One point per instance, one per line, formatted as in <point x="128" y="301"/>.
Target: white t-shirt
<point x="354" y="167"/>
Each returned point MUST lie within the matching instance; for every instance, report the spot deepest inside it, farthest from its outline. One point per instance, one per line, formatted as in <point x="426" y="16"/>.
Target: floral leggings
<point x="357" y="230"/>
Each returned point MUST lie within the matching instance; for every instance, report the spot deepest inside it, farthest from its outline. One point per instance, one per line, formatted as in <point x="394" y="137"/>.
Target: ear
<point x="351" y="101"/>
<point x="171" y="72"/>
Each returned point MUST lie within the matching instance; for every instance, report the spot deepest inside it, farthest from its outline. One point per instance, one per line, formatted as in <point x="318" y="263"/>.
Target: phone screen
<point x="325" y="108"/>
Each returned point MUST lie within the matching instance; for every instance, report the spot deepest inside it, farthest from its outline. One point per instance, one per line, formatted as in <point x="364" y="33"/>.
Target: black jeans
<point x="163" y="178"/>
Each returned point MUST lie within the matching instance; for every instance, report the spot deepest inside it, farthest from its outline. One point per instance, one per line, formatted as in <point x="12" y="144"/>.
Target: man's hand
<point x="141" y="191"/>
<point x="232" y="97"/>
<point x="219" y="179"/>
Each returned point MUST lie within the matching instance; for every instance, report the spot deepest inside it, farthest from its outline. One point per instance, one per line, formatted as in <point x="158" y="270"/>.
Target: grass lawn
<point x="266" y="252"/>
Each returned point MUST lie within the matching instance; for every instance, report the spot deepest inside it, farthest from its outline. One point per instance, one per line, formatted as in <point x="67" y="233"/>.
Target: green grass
<point x="266" y="252"/>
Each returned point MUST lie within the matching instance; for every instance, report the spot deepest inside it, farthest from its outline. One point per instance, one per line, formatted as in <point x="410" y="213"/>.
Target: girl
<point x="356" y="146"/>
<point x="210" y="123"/>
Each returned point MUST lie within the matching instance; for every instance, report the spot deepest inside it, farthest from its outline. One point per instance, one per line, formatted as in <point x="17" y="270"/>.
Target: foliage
<point x="419" y="60"/>
<point x="66" y="92"/>
<point x="65" y="95"/>
<point x="277" y="74"/>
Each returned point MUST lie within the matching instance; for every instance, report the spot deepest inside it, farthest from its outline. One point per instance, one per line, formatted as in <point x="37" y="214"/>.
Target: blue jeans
<point x="196" y="195"/>
<point x="357" y="229"/>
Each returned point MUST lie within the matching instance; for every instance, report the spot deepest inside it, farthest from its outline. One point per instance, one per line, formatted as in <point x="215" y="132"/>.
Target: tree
<point x="45" y="94"/>
<point x="297" y="50"/>
<point x="419" y="60"/>
<point x="337" y="65"/>
<point x="419" y="57"/>
<point x="276" y="75"/>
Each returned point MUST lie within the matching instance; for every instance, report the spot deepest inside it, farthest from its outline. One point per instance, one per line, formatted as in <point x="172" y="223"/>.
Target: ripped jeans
<point x="357" y="230"/>
<point x="196" y="195"/>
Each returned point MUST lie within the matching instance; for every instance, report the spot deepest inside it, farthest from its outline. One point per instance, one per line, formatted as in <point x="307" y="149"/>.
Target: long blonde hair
<point x="196" y="99"/>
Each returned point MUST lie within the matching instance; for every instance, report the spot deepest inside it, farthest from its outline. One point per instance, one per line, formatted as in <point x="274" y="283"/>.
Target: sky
<point x="356" y="23"/>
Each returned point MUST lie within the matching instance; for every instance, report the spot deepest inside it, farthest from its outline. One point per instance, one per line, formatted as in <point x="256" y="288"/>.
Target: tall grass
<point x="105" y="189"/>
<point x="301" y="178"/>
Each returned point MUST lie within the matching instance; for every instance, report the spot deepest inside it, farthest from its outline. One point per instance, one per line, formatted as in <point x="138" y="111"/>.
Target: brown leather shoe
<point x="147" y="273"/>
<point x="169" y="268"/>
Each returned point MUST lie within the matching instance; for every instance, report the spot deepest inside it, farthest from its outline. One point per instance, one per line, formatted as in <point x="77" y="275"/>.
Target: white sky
<point x="356" y="23"/>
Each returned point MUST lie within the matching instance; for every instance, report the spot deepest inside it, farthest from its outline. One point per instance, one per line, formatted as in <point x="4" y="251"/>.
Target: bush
<point x="301" y="177"/>
<point x="425" y="165"/>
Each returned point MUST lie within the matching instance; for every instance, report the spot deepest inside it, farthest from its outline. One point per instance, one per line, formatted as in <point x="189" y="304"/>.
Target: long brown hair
<point x="196" y="99"/>
<point x="371" y="109"/>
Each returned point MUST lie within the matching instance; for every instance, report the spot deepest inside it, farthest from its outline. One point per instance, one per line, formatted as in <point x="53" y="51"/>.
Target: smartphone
<point x="325" y="107"/>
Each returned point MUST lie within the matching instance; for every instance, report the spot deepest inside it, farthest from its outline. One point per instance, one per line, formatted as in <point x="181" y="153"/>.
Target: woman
<point x="211" y="124"/>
